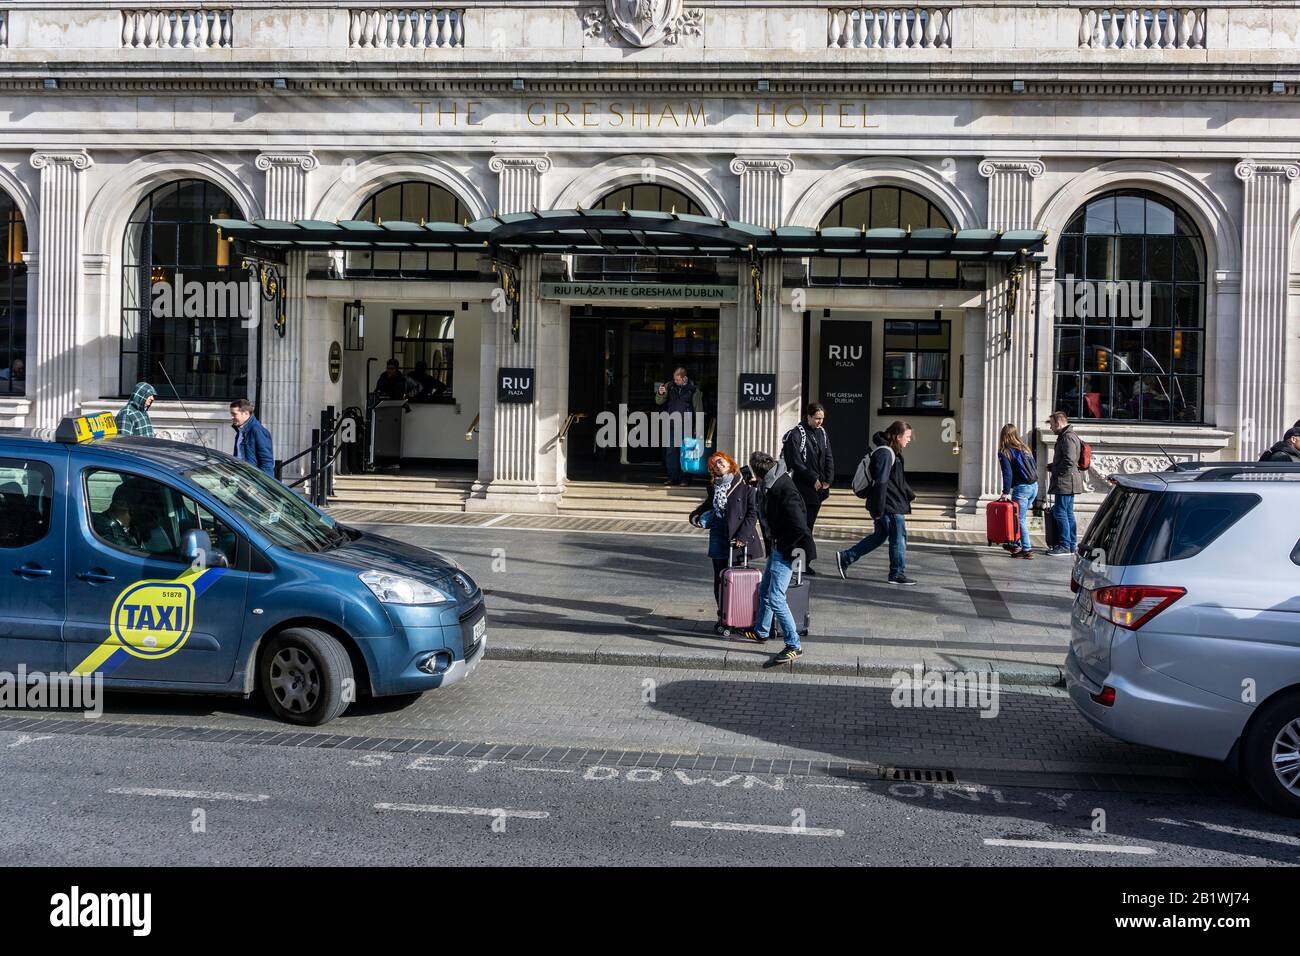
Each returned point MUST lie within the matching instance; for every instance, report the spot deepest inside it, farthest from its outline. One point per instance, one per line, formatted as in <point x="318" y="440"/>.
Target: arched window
<point x="884" y="207"/>
<point x="646" y="197"/>
<point x="185" y="304"/>
<point x="1130" y="311"/>
<point x="13" y="300"/>
<point x="413" y="201"/>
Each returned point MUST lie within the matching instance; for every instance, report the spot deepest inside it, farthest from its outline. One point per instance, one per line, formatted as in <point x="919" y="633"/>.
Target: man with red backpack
<point x="1065" y="480"/>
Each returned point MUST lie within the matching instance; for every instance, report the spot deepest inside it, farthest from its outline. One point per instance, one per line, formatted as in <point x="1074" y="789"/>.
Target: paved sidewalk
<point x="647" y="599"/>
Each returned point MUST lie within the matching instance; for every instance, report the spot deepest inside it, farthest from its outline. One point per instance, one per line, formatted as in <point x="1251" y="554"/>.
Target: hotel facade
<point x="1156" y="148"/>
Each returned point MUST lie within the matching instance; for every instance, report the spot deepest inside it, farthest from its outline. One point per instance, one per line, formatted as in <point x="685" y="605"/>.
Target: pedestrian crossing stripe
<point x="150" y="620"/>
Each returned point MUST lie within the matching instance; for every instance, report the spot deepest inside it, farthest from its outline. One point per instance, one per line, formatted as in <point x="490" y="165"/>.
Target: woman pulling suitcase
<point x="729" y="512"/>
<point x="1020" y="485"/>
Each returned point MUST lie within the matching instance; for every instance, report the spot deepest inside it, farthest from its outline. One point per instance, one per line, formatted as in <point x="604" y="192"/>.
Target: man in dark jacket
<point x="807" y="455"/>
<point x="889" y="498"/>
<point x="252" y="440"/>
<point x="1065" y="480"/>
<point x="680" y="397"/>
<point x="785" y="527"/>
<point x="1286" y="451"/>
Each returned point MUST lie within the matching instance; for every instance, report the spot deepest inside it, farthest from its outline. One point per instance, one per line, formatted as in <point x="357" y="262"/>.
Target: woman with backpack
<point x="731" y="515"/>
<point x="889" y="498"/>
<point x="1019" y="483"/>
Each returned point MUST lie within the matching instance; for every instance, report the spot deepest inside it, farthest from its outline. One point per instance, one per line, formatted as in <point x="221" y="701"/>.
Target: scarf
<point x="722" y="488"/>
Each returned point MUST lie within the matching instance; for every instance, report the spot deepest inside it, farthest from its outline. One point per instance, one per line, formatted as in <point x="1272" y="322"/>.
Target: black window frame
<point x="945" y="408"/>
<point x="45" y="515"/>
<point x="146" y="341"/>
<point x="410" y="263"/>
<point x="1089" y="351"/>
<point x="936" y="273"/>
<point x="688" y="270"/>
<point x="447" y="396"/>
<point x="13" y="295"/>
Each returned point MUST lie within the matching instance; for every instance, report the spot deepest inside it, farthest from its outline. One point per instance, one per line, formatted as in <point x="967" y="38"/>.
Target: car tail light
<point x="1106" y="698"/>
<point x="1074" y="585"/>
<point x="1131" y="605"/>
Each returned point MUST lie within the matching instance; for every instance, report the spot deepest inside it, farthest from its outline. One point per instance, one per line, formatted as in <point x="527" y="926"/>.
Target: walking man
<point x="680" y="397"/>
<point x="806" y="451"/>
<point x="252" y="440"/>
<point x="134" y="418"/>
<point x="1065" y="481"/>
<point x="785" y="527"/>
<point x="889" y="498"/>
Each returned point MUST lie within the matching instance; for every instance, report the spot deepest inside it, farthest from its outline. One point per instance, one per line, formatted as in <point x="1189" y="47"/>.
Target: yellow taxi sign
<point x="87" y="428"/>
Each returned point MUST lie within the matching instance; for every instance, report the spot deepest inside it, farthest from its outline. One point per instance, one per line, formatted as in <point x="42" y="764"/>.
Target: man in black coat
<point x="785" y="528"/>
<point x="1286" y="451"/>
<point x="806" y="451"/>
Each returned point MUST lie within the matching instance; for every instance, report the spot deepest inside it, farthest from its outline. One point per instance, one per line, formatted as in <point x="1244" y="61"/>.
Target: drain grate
<point x="918" y="775"/>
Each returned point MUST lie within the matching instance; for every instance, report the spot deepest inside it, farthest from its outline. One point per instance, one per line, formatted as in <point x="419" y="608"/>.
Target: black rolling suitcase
<point x="1051" y="530"/>
<point x="796" y="595"/>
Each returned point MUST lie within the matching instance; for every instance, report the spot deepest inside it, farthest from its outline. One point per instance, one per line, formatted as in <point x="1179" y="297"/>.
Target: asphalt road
<point x="79" y="800"/>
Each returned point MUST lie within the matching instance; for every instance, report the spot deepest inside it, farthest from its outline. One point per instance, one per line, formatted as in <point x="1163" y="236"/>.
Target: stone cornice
<point x="78" y="159"/>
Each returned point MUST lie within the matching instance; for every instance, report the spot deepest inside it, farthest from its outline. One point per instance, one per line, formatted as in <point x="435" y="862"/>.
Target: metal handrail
<point x="473" y="427"/>
<point x="568" y="423"/>
<point x="323" y="452"/>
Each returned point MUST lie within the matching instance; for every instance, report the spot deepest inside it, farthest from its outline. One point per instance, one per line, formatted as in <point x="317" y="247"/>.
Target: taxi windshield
<point x="270" y="507"/>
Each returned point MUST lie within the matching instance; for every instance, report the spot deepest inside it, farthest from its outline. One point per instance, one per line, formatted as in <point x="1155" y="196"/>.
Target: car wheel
<point x="304" y="674"/>
<point x="1270" y="754"/>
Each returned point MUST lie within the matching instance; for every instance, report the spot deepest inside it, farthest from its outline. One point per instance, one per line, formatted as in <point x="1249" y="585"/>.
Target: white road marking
<point x="28" y="739"/>
<point x="497" y="520"/>
<point x="834" y="786"/>
<point x="1233" y="831"/>
<point x="1089" y="847"/>
<point x="758" y="828"/>
<point x="543" y="770"/>
<point x="465" y="811"/>
<point x="190" y="794"/>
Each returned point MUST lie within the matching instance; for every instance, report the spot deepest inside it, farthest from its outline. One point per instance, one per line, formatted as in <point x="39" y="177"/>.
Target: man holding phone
<point x="683" y="398"/>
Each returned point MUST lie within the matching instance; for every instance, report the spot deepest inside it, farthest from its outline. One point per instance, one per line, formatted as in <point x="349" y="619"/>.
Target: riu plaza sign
<point x="646" y="114"/>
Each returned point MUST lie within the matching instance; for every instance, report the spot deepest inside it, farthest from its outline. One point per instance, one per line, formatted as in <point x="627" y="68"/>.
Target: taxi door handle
<point x="32" y="571"/>
<point x="97" y="577"/>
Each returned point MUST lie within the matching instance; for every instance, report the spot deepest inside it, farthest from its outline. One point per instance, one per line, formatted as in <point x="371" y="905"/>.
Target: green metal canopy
<point x="630" y="232"/>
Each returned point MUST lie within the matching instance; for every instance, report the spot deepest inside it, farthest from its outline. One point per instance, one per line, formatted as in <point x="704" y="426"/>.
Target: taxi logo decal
<point x="150" y="620"/>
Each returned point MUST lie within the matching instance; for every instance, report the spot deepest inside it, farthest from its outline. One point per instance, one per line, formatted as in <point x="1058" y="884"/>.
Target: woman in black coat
<point x="731" y="515"/>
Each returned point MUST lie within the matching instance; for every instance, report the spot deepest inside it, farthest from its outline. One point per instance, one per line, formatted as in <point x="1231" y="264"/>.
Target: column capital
<point x="1247" y="169"/>
<point x="1027" y="165"/>
<point x="744" y="163"/>
<point x="76" y="158"/>
<point x="537" y="162"/>
<point x="304" y="159"/>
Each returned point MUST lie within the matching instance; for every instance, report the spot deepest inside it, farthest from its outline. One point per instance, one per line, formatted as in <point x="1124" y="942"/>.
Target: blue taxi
<point x="167" y="566"/>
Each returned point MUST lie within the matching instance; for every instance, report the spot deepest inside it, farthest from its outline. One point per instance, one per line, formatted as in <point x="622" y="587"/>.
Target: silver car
<point x="1185" y="632"/>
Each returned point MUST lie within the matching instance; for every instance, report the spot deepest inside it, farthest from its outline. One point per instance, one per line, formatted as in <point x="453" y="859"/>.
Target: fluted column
<point x="780" y="346"/>
<point x="1007" y="341"/>
<point x="280" y="406"/>
<point x="521" y="460"/>
<point x="1261" y="359"/>
<point x="52" y="375"/>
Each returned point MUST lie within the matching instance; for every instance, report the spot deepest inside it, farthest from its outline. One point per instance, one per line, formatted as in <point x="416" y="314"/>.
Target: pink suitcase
<point x="740" y="597"/>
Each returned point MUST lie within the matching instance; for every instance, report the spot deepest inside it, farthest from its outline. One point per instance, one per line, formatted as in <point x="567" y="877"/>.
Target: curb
<point x="1014" y="674"/>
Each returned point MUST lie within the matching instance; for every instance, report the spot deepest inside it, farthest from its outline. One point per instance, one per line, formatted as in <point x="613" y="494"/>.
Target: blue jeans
<point x="1024" y="495"/>
<point x="891" y="528"/>
<point x="772" y="602"/>
<point x="1064" y="512"/>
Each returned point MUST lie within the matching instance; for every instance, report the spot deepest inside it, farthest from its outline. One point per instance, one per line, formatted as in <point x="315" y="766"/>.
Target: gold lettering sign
<point x="665" y="114"/>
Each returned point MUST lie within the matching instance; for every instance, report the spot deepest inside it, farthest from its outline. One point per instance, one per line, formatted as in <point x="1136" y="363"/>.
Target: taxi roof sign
<point x="88" y="428"/>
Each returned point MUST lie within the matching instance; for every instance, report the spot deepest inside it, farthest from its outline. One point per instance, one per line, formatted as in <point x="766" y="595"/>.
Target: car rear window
<point x="1295" y="553"/>
<point x="1136" y="526"/>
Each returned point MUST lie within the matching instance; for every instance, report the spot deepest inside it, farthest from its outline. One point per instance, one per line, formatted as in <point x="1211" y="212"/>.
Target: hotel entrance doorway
<point x="617" y="357"/>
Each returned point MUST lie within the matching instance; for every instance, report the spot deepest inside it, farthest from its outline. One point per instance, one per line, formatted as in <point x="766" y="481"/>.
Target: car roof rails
<point x="1243" y="470"/>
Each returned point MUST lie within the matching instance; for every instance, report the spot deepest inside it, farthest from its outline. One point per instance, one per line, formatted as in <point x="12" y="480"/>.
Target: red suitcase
<point x="739" y="597"/>
<point x="1003" y="518"/>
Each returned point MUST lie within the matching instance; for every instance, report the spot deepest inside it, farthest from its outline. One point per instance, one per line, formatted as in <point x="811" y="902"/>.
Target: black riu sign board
<point x="757" y="390"/>
<point x="844" y="374"/>
<point x="515" y="385"/>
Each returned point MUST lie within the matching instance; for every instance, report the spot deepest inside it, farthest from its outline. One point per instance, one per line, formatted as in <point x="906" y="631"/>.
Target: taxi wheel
<point x="1270" y="753"/>
<point x="303" y="674"/>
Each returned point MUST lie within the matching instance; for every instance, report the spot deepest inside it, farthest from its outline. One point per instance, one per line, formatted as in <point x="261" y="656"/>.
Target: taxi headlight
<point x="394" y="589"/>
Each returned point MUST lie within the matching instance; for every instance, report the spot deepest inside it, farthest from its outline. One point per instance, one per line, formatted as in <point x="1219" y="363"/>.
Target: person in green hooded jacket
<point x="133" y="419"/>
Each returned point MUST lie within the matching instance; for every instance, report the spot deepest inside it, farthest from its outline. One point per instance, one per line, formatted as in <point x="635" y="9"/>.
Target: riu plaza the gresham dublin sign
<point x="628" y="291"/>
<point x="709" y="113"/>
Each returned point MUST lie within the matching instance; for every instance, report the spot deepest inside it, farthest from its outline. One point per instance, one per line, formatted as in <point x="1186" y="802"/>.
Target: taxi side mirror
<point x="200" y="552"/>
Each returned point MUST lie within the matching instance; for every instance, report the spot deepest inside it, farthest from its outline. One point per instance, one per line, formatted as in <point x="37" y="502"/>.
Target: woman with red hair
<point x="731" y="515"/>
